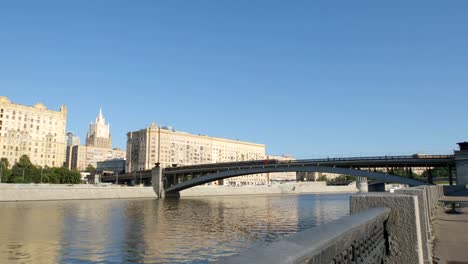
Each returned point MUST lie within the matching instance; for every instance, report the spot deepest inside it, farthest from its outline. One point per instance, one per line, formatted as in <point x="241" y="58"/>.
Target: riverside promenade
<point x="451" y="233"/>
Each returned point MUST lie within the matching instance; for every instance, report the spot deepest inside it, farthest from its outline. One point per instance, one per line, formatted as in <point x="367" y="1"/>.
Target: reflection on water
<point x="188" y="230"/>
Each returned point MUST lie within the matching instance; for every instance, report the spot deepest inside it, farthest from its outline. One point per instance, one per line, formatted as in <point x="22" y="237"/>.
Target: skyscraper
<point x="98" y="147"/>
<point x="99" y="133"/>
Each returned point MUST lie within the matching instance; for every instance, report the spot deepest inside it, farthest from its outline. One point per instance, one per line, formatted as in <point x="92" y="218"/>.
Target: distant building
<point x="99" y="133"/>
<point x="168" y="147"/>
<point x="34" y="131"/>
<point x="72" y="140"/>
<point x="113" y="166"/>
<point x="281" y="176"/>
<point x="98" y="147"/>
<point x="83" y="156"/>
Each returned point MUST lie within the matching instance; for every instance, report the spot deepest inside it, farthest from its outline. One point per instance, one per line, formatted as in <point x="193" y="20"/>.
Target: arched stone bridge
<point x="170" y="181"/>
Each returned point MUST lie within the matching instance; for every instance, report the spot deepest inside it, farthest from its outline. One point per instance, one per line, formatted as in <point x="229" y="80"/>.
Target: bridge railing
<point x="358" y="238"/>
<point x="260" y="163"/>
<point x="407" y="157"/>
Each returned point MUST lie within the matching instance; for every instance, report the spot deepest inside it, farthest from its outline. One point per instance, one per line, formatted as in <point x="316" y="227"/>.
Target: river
<point x="186" y="230"/>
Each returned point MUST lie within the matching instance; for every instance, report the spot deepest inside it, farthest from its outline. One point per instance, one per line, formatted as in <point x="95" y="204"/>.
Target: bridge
<point x="170" y="181"/>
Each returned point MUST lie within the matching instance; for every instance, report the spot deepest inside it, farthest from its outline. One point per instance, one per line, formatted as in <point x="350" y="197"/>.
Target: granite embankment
<point x="48" y="192"/>
<point x="289" y="188"/>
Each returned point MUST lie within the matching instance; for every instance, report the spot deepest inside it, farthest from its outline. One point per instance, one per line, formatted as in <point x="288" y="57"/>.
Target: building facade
<point x="112" y="166"/>
<point x="72" y="140"/>
<point x="84" y="156"/>
<point x="99" y="133"/>
<point x="281" y="176"/>
<point x="34" y="131"/>
<point x="168" y="147"/>
<point x="98" y="147"/>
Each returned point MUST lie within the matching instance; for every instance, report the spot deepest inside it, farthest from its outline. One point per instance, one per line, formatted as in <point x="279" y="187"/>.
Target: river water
<point x="187" y="230"/>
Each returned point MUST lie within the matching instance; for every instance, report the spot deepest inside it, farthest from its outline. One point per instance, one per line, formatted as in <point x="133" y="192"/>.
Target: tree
<point x="5" y="173"/>
<point x="437" y="173"/>
<point x="25" y="172"/>
<point x="322" y="178"/>
<point x="403" y="173"/>
<point x="25" y="162"/>
<point x="90" y="168"/>
<point x="4" y="163"/>
<point x="342" y="180"/>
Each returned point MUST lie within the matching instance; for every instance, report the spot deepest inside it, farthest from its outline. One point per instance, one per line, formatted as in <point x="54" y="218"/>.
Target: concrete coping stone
<point x="320" y="243"/>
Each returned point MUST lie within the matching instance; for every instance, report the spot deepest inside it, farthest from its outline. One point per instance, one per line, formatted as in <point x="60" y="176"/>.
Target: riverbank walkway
<point x="451" y="233"/>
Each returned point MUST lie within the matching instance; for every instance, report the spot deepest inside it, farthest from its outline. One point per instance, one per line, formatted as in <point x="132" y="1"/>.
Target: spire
<point x="100" y="117"/>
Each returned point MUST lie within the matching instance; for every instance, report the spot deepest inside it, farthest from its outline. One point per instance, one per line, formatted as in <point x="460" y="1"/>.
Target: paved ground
<point x="451" y="236"/>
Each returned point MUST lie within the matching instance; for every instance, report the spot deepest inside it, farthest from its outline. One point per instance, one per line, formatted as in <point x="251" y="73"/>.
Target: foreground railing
<point x="358" y="238"/>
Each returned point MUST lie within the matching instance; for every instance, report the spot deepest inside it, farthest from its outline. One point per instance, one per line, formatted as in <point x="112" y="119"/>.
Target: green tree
<point x="25" y="172"/>
<point x="436" y="173"/>
<point x="24" y="162"/>
<point x="322" y="178"/>
<point x="342" y="180"/>
<point x="5" y="173"/>
<point x="4" y="163"/>
<point x="90" y="168"/>
<point x="403" y="173"/>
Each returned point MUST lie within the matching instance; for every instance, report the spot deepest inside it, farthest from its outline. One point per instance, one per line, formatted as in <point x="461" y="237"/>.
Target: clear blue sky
<point x="308" y="78"/>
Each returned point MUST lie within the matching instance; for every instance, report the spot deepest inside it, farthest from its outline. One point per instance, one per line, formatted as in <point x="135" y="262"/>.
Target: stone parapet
<point x="403" y="224"/>
<point x="359" y="238"/>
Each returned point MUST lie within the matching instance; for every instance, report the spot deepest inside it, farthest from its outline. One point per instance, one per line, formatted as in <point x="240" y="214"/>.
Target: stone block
<point x="421" y="194"/>
<point x="403" y="224"/>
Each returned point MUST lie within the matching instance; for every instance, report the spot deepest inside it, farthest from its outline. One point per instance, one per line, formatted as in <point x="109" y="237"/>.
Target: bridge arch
<point x="256" y="170"/>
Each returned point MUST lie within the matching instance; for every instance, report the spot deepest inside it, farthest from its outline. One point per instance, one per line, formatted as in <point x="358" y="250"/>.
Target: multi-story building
<point x="281" y="176"/>
<point x="99" y="133"/>
<point x="72" y="140"/>
<point x="168" y="147"/>
<point x="34" y="131"/>
<point x="98" y="147"/>
<point x="83" y="156"/>
<point x="112" y="166"/>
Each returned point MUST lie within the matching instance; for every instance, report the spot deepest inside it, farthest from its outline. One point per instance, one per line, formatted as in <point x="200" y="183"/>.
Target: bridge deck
<point x="364" y="162"/>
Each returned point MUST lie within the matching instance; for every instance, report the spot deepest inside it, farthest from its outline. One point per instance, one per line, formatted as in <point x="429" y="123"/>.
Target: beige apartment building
<point x="168" y="147"/>
<point x="34" y="131"/>
<point x="98" y="146"/>
<point x="83" y="156"/>
<point x="281" y="176"/>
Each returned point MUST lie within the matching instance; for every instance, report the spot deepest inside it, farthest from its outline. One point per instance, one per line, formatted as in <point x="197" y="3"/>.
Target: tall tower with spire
<point x="99" y="133"/>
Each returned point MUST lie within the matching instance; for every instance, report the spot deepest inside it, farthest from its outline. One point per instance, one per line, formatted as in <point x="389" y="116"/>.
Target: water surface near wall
<point x="186" y="230"/>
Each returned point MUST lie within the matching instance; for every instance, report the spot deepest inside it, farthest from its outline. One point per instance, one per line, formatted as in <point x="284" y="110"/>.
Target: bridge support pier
<point x="461" y="162"/>
<point x="156" y="178"/>
<point x="361" y="184"/>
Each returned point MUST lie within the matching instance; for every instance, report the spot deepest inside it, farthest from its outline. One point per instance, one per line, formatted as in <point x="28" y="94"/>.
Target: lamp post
<point x="1" y="173"/>
<point x="42" y="170"/>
